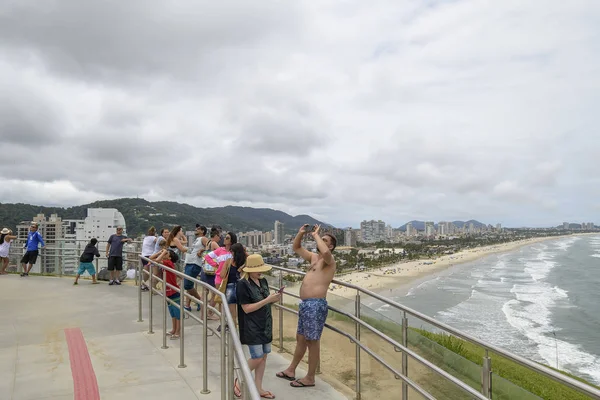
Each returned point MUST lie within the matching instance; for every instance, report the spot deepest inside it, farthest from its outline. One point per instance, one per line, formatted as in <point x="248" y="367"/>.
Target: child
<point x="168" y="258"/>
<point x="85" y="261"/>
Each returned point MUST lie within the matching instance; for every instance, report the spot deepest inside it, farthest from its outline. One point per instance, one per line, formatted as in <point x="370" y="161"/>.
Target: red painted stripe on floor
<point x="85" y="385"/>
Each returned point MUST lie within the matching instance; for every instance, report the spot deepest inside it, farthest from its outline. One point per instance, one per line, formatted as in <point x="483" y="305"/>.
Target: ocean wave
<point x="539" y="269"/>
<point x="530" y="313"/>
<point x="566" y="243"/>
<point x="414" y="289"/>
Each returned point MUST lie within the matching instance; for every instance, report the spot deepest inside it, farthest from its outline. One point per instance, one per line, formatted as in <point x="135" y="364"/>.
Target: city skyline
<point x="407" y="110"/>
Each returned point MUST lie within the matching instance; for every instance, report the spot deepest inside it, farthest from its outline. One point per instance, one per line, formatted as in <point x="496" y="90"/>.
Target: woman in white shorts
<point x="6" y="239"/>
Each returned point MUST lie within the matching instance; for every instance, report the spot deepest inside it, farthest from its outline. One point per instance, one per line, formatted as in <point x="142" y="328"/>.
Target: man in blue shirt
<point x="34" y="239"/>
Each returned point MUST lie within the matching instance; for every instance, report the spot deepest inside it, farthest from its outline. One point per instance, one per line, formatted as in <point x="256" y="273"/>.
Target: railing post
<point x="404" y="355"/>
<point x="486" y="376"/>
<point x="164" y="295"/>
<point x="140" y="274"/>
<point x="230" y="365"/>
<point x="223" y="353"/>
<point x="182" y="325"/>
<point x="204" y="341"/>
<point x="280" y="315"/>
<point x="357" y="314"/>
<point x="150" y="294"/>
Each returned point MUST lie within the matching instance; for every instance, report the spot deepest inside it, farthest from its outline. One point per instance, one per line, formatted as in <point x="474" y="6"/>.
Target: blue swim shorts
<point x="86" y="266"/>
<point x="259" y="350"/>
<point x="312" y="314"/>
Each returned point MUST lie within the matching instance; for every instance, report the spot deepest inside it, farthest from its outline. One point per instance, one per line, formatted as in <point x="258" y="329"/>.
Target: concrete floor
<point x="128" y="362"/>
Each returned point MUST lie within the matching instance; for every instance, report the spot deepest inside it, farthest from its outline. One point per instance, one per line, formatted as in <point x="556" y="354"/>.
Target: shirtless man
<point x="313" y="307"/>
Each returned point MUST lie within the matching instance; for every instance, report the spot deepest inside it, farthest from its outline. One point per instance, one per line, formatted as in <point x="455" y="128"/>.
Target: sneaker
<point x="75" y="283"/>
<point x="22" y="274"/>
<point x="111" y="282"/>
<point x="117" y="282"/>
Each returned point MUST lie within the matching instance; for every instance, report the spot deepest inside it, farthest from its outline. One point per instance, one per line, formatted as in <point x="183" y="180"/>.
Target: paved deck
<point x="127" y="362"/>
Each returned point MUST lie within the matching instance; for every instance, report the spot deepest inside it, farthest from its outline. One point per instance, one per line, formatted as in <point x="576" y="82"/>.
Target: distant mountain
<point x="140" y="214"/>
<point x="420" y="225"/>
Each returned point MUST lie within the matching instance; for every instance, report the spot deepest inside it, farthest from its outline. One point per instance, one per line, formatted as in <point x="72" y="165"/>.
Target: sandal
<point x="236" y="389"/>
<point x="267" y="395"/>
<point x="174" y="337"/>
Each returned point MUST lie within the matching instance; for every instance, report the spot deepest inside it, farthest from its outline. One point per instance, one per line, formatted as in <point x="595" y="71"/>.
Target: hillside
<point x="137" y="213"/>
<point x="420" y="225"/>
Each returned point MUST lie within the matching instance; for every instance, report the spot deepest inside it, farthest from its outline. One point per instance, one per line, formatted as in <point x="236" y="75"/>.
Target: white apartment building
<point x="410" y="230"/>
<point x="429" y="228"/>
<point x="372" y="231"/>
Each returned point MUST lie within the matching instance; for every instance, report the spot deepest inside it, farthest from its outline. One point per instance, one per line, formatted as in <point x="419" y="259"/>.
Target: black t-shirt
<point x="256" y="327"/>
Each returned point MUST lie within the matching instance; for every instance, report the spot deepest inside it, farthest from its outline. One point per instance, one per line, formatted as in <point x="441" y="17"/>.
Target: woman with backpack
<point x="207" y="275"/>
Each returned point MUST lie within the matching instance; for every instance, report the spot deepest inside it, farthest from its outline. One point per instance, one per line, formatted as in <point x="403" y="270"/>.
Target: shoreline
<point x="402" y="273"/>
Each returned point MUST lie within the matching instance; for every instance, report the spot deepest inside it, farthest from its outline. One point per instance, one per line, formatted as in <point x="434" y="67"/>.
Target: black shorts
<point x="30" y="257"/>
<point x="115" y="263"/>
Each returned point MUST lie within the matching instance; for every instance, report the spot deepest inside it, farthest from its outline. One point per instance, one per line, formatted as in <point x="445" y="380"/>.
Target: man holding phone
<point x="312" y="311"/>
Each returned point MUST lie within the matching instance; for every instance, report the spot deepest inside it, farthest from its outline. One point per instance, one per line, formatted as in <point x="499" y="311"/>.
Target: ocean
<point x="540" y="301"/>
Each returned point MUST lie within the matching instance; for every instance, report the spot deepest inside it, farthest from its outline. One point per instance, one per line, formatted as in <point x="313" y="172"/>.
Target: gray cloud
<point x="463" y="110"/>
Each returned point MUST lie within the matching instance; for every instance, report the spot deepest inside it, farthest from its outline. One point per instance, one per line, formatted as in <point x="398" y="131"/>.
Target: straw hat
<point x="255" y="263"/>
<point x="5" y="231"/>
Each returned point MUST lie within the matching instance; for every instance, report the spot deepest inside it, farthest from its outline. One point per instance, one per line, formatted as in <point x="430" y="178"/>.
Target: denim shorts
<point x="259" y="350"/>
<point x="192" y="270"/>
<point x="230" y="293"/>
<point x="173" y="310"/>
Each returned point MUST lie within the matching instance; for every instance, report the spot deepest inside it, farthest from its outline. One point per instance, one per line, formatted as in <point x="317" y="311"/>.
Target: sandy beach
<point x="401" y="273"/>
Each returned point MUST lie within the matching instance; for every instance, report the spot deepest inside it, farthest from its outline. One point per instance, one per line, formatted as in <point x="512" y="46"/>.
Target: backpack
<point x="208" y="269"/>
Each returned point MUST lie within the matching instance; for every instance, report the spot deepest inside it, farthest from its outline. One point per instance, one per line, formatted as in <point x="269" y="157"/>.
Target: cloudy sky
<point x="345" y="110"/>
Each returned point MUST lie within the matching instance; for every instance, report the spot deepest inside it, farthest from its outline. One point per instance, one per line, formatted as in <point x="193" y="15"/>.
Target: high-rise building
<point x="410" y="230"/>
<point x="372" y="231"/>
<point x="471" y="228"/>
<point x="429" y="228"/>
<point x="279" y="236"/>
<point x="566" y="225"/>
<point x="350" y="237"/>
<point x="499" y="227"/>
<point x="443" y="228"/>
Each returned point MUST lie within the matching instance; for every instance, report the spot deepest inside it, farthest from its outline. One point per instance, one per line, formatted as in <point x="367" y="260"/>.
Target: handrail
<point x="560" y="378"/>
<point x="225" y="316"/>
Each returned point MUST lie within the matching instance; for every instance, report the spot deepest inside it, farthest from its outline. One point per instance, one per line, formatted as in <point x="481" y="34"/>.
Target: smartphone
<point x="309" y="228"/>
<point x="281" y="289"/>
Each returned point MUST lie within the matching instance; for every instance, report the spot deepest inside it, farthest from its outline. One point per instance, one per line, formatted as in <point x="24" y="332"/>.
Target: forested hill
<point x="140" y="214"/>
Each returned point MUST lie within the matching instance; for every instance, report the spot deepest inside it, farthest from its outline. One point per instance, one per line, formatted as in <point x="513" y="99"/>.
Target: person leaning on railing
<point x="34" y="240"/>
<point x="312" y="310"/>
<point x="254" y="319"/>
<point x="6" y="238"/>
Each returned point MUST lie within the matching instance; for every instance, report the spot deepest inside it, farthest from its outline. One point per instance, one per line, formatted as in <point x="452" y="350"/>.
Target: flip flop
<point x="298" y="384"/>
<point x="175" y="337"/>
<point x="285" y="376"/>
<point x="267" y="395"/>
<point x="236" y="389"/>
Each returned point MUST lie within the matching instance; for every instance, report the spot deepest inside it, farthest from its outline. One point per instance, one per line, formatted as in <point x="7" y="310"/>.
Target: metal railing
<point x="486" y="375"/>
<point x="231" y="348"/>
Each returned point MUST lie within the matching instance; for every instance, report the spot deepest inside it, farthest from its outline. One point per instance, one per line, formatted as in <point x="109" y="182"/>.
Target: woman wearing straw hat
<point x="254" y="317"/>
<point x="6" y="239"/>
